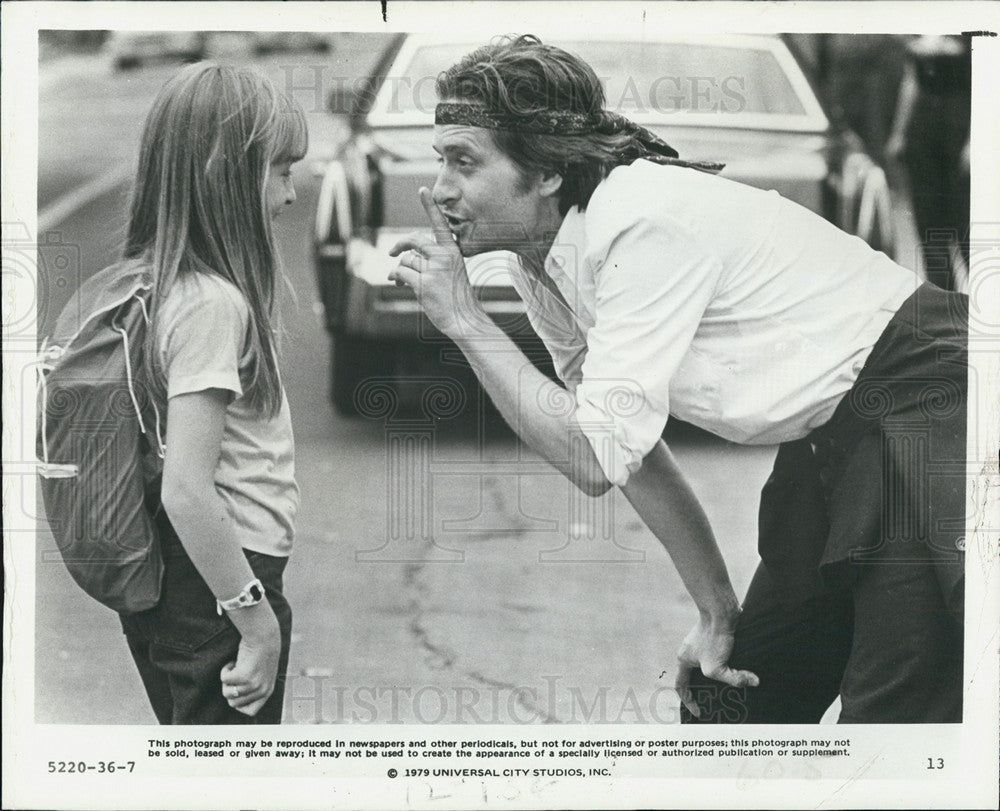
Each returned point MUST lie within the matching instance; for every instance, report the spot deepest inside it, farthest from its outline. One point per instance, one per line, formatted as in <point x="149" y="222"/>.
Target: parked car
<point x="129" y="49"/>
<point x="742" y="100"/>
<point x="266" y="42"/>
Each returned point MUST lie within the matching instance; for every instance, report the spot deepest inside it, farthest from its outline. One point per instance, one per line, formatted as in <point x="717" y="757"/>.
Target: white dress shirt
<point x="679" y="292"/>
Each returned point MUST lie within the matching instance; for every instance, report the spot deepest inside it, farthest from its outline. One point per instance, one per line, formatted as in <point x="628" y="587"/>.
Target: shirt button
<point x="858" y="366"/>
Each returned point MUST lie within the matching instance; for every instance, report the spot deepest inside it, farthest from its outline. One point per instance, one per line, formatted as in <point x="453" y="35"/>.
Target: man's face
<point x="489" y="204"/>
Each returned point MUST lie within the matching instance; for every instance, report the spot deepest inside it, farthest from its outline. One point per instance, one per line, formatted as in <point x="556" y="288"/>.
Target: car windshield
<point x="640" y="78"/>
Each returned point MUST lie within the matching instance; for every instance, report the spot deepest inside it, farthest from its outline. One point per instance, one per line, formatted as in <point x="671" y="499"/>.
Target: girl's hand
<point x="248" y="682"/>
<point x="708" y="647"/>
<point x="436" y="271"/>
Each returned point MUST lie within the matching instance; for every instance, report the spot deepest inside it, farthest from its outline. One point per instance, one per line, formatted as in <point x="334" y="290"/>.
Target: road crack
<point x="441" y="658"/>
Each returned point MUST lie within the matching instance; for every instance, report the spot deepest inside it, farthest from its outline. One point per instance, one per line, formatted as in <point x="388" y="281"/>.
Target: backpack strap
<point x="160" y="446"/>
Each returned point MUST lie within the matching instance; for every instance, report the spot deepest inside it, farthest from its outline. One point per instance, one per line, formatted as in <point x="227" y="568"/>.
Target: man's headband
<point x="565" y="122"/>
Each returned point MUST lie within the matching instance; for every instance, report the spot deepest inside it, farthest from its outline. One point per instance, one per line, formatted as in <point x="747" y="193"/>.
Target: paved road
<point x="520" y="604"/>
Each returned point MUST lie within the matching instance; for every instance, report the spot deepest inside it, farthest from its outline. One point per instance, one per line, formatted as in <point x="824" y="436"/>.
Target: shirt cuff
<point x="610" y="440"/>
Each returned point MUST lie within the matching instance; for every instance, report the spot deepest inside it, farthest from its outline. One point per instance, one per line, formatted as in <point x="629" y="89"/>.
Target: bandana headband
<point x="565" y="122"/>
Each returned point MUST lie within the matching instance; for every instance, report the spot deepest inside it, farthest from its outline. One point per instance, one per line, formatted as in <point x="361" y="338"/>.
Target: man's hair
<point x="522" y="76"/>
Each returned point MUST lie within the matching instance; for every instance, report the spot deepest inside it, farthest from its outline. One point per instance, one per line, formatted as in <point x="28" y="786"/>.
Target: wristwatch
<point x="253" y="593"/>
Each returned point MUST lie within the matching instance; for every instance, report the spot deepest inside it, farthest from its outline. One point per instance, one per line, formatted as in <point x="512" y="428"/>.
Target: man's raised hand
<point x="439" y="225"/>
<point x="435" y="270"/>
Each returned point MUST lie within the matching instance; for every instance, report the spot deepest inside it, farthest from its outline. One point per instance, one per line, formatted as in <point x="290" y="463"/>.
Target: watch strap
<point x="252" y="593"/>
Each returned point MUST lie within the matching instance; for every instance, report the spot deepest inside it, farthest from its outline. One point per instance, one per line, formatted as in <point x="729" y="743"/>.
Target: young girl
<point x="214" y="170"/>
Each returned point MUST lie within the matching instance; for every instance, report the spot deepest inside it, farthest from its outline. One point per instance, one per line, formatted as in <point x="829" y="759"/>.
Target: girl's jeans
<point x="181" y="644"/>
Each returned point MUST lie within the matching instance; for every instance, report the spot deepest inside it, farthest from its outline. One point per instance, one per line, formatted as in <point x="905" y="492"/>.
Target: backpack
<point x="99" y="440"/>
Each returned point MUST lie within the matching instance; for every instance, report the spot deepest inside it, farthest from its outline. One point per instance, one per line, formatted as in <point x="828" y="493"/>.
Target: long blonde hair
<point x="199" y="202"/>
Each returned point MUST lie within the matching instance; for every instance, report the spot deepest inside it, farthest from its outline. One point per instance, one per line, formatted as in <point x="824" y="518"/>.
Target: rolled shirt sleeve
<point x="653" y="286"/>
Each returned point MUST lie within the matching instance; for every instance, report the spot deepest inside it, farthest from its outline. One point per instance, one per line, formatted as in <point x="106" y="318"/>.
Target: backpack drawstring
<point x="128" y="378"/>
<point x="160" y="447"/>
<point x="50" y="470"/>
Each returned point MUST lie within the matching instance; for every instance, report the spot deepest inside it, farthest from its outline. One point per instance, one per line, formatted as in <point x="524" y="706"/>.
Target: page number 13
<point x="935" y="763"/>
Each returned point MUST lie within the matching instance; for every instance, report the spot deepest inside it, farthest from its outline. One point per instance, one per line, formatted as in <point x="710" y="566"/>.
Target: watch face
<point x="256" y="593"/>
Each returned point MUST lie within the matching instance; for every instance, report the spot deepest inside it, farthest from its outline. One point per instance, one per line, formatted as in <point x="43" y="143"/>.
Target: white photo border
<point x="882" y="780"/>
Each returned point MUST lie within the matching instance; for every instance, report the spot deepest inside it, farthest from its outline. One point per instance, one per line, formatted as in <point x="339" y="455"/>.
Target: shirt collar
<point x="566" y="253"/>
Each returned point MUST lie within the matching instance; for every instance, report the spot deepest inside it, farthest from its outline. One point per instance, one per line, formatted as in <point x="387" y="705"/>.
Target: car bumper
<point x="393" y="313"/>
<point x="374" y="307"/>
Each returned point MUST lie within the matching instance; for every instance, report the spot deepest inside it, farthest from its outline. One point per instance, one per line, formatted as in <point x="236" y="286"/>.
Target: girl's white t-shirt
<point x="202" y="340"/>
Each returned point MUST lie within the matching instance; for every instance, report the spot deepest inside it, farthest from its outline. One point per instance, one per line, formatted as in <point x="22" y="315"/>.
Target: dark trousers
<point x="860" y="589"/>
<point x="181" y="645"/>
<point x="889" y="646"/>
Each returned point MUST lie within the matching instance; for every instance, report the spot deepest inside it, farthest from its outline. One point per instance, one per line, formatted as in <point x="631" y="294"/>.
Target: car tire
<point x="355" y="361"/>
